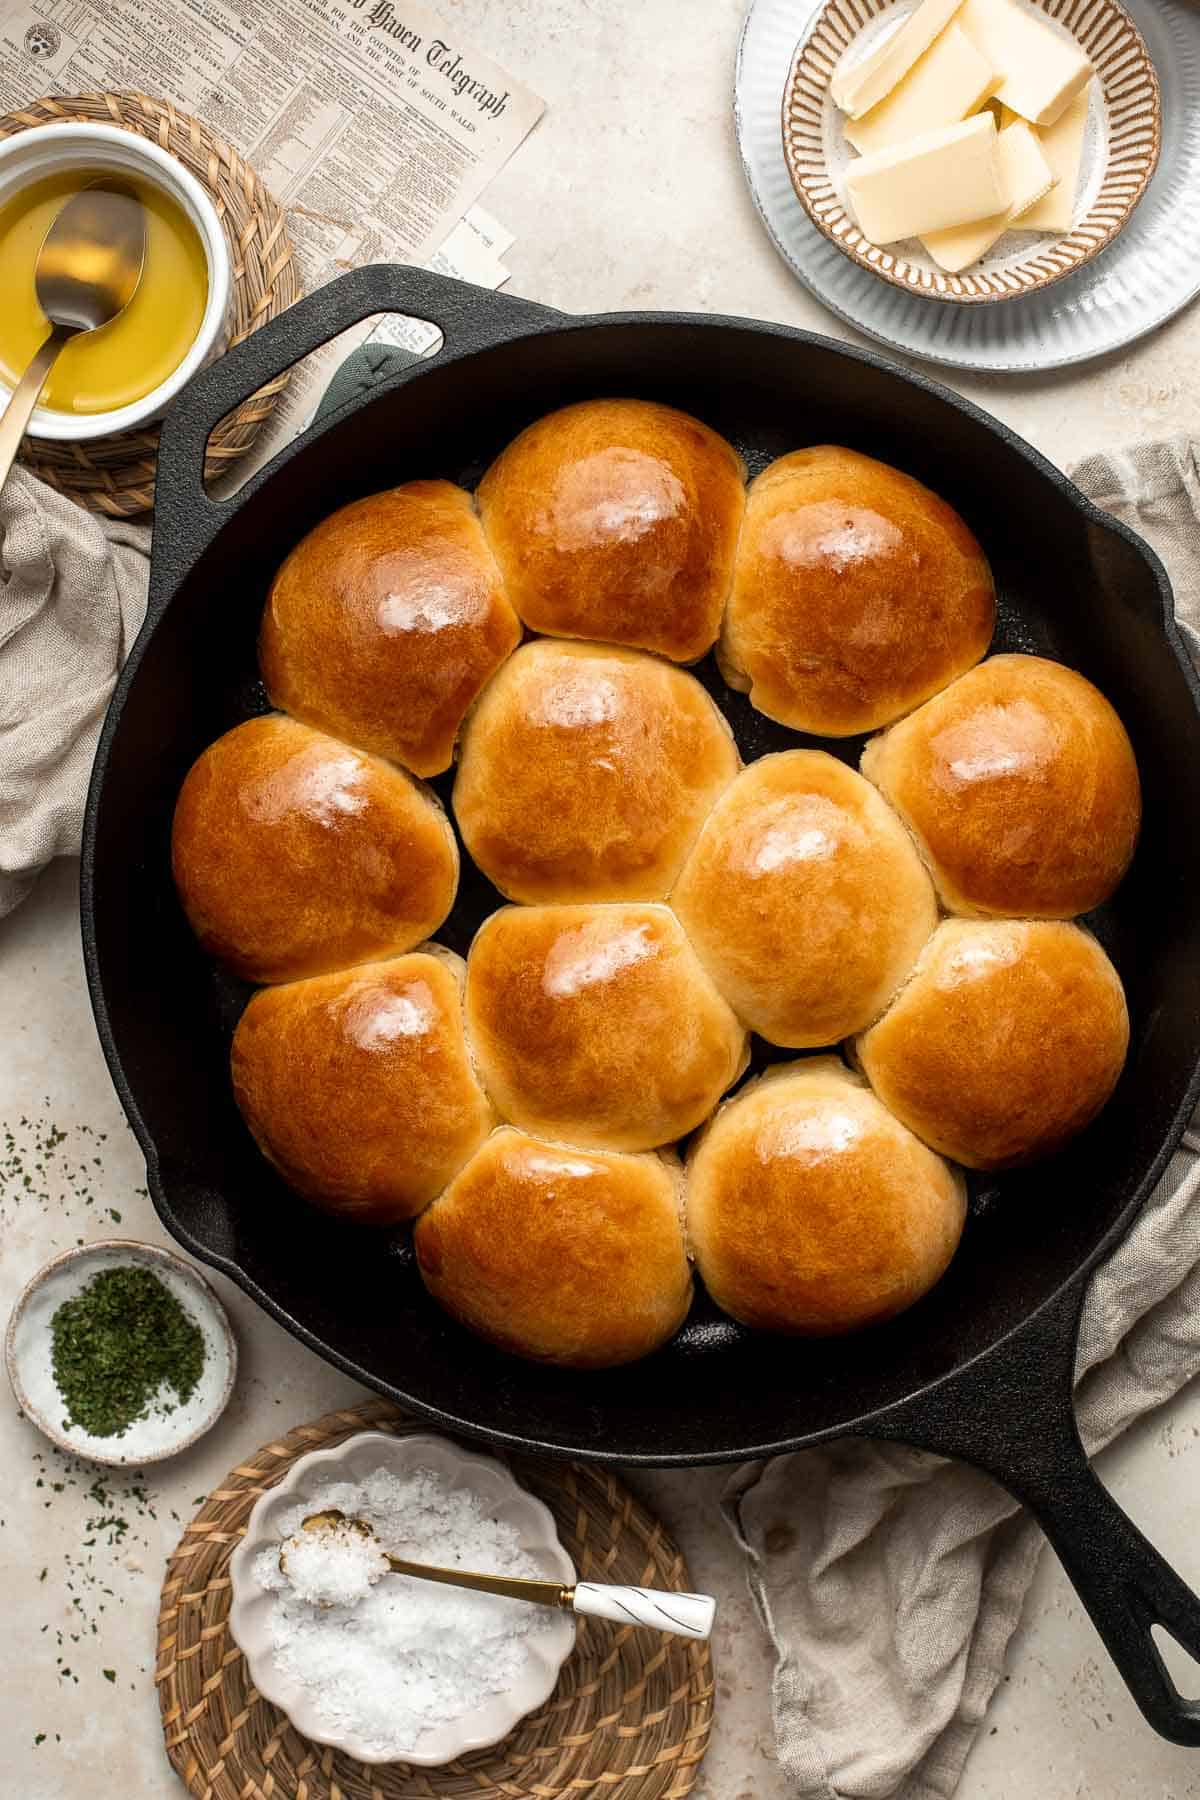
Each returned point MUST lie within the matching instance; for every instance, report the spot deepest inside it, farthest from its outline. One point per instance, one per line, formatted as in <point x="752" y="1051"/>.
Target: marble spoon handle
<point x="687" y="1615"/>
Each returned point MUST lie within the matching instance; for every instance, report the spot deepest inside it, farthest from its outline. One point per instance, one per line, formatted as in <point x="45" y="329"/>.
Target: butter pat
<point x="942" y="178"/>
<point x="951" y="80"/>
<point x="1027" y="176"/>
<point x="858" y="86"/>
<point x="1041" y="72"/>
<point x="1062" y="146"/>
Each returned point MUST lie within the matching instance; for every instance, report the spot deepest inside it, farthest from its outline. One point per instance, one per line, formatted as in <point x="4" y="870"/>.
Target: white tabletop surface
<point x="628" y="195"/>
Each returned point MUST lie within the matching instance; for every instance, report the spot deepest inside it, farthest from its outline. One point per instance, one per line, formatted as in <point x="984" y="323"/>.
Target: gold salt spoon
<point x="87" y="271"/>
<point x="686" y="1615"/>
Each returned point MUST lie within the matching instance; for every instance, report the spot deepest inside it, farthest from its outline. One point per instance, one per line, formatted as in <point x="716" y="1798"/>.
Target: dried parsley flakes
<point x="116" y="1343"/>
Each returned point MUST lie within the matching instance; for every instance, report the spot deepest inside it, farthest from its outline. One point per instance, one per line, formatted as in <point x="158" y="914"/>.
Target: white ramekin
<point x="49" y="149"/>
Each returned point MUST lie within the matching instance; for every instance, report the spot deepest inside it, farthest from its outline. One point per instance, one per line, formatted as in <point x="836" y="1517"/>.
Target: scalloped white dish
<point x="359" y="1456"/>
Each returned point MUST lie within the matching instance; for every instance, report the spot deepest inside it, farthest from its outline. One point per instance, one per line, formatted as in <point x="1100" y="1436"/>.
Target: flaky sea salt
<point x="337" y="1566"/>
<point x="405" y="1655"/>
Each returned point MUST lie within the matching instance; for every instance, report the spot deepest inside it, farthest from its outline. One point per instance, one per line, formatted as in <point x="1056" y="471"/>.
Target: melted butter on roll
<point x="586" y="772"/>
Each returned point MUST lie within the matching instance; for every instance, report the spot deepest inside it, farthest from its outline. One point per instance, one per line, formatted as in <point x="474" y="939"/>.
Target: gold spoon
<point x="86" y="272"/>
<point x="686" y="1615"/>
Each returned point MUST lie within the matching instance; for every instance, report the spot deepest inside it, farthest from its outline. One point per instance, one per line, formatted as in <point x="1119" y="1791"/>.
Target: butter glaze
<point x="598" y="1025"/>
<point x="1020" y="783"/>
<point x="1007" y="1041"/>
<point x="617" y="520"/>
<point x="811" y="1210"/>
<point x="805" y="899"/>
<point x="857" y="594"/>
<point x="385" y="622"/>
<point x="294" y="854"/>
<point x="586" y="772"/>
<point x="358" y="1085"/>
<point x="565" y="1255"/>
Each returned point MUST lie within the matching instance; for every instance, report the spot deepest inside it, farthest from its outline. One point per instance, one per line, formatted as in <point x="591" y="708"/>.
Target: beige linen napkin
<point x="72" y="596"/>
<point x="890" y="1581"/>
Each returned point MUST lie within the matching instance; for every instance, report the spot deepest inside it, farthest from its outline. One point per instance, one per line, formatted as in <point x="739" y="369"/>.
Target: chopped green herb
<point x="116" y="1343"/>
<point x="39" y="1738"/>
<point x="109" y="1674"/>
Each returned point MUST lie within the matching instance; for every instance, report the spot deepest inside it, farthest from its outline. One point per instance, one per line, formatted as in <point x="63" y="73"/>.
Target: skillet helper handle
<point x="469" y="318"/>
<point x="684" y="1615"/>
<point x="1012" y="1415"/>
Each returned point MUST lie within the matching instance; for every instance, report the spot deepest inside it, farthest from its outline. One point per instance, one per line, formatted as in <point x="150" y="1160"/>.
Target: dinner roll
<point x="358" y="1085"/>
<point x="857" y="594"/>
<point x="617" y="520"/>
<point x="294" y="854"/>
<point x="563" y="1255"/>
<point x="811" y="1209"/>
<point x="386" y="620"/>
<point x="597" y="1024"/>
<point x="1021" y="788"/>
<point x="585" y="773"/>
<point x="805" y="899"/>
<point x="1006" y="1042"/>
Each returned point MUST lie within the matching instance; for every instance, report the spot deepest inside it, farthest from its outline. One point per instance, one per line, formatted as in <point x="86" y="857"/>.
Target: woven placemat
<point x="629" y="1719"/>
<point x="115" y="475"/>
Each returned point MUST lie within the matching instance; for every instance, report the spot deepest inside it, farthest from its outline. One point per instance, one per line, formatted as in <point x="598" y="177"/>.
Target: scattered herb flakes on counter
<point x="117" y="1344"/>
<point x="42" y="1162"/>
<point x="106" y="1518"/>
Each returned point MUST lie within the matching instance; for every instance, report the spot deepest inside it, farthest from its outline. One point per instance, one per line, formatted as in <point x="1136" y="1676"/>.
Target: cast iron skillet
<point x="982" y="1368"/>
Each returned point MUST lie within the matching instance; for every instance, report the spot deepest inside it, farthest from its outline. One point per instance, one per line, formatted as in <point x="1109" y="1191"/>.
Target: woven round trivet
<point x="629" y="1719"/>
<point x="115" y="475"/>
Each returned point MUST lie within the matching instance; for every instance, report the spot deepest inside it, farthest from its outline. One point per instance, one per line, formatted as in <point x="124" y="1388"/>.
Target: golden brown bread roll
<point x="358" y="1086"/>
<point x="1006" y="1042"/>
<point x="585" y="773"/>
<point x="811" y="1209"/>
<point x="805" y="899"/>
<point x="597" y="1024"/>
<point x="294" y="854"/>
<point x="386" y="620"/>
<point x="857" y="593"/>
<point x="1021" y="787"/>
<point x="559" y="1254"/>
<point x="617" y="520"/>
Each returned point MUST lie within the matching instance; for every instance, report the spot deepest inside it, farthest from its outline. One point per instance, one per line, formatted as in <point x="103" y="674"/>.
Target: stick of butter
<point x="942" y="178"/>
<point x="1027" y="176"/>
<point x="859" y="85"/>
<point x="1041" y="71"/>
<point x="1062" y="146"/>
<point x="943" y="86"/>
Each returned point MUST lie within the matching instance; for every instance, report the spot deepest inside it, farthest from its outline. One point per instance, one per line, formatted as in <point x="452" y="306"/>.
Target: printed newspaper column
<point x="376" y="123"/>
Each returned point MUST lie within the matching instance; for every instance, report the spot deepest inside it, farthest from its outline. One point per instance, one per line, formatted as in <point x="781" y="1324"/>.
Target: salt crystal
<point x="392" y="1658"/>
<point x="336" y="1566"/>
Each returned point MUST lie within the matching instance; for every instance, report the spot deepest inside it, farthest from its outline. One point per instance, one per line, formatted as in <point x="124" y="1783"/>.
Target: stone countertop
<point x="629" y="194"/>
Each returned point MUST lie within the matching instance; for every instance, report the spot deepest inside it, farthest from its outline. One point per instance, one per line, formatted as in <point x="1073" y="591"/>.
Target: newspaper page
<point x="376" y="124"/>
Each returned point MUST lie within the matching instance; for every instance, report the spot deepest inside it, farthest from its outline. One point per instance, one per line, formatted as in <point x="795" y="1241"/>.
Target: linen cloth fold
<point x="72" y="600"/>
<point x="890" y="1581"/>
<point x="72" y="597"/>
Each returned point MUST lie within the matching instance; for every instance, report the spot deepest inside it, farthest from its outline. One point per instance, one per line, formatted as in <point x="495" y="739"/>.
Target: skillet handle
<point x="1011" y="1415"/>
<point x="469" y="318"/>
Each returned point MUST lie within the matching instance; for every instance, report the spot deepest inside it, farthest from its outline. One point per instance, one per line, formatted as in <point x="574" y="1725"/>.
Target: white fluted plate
<point x="1142" y="279"/>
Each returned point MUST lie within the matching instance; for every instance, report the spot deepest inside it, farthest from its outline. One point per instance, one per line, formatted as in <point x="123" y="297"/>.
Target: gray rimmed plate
<point x="1145" y="276"/>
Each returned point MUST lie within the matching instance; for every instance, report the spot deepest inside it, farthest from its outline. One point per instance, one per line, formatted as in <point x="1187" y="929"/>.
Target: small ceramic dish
<point x="251" y="1605"/>
<point x="1124" y="133"/>
<point x="27" y="1354"/>
<point x="29" y="156"/>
